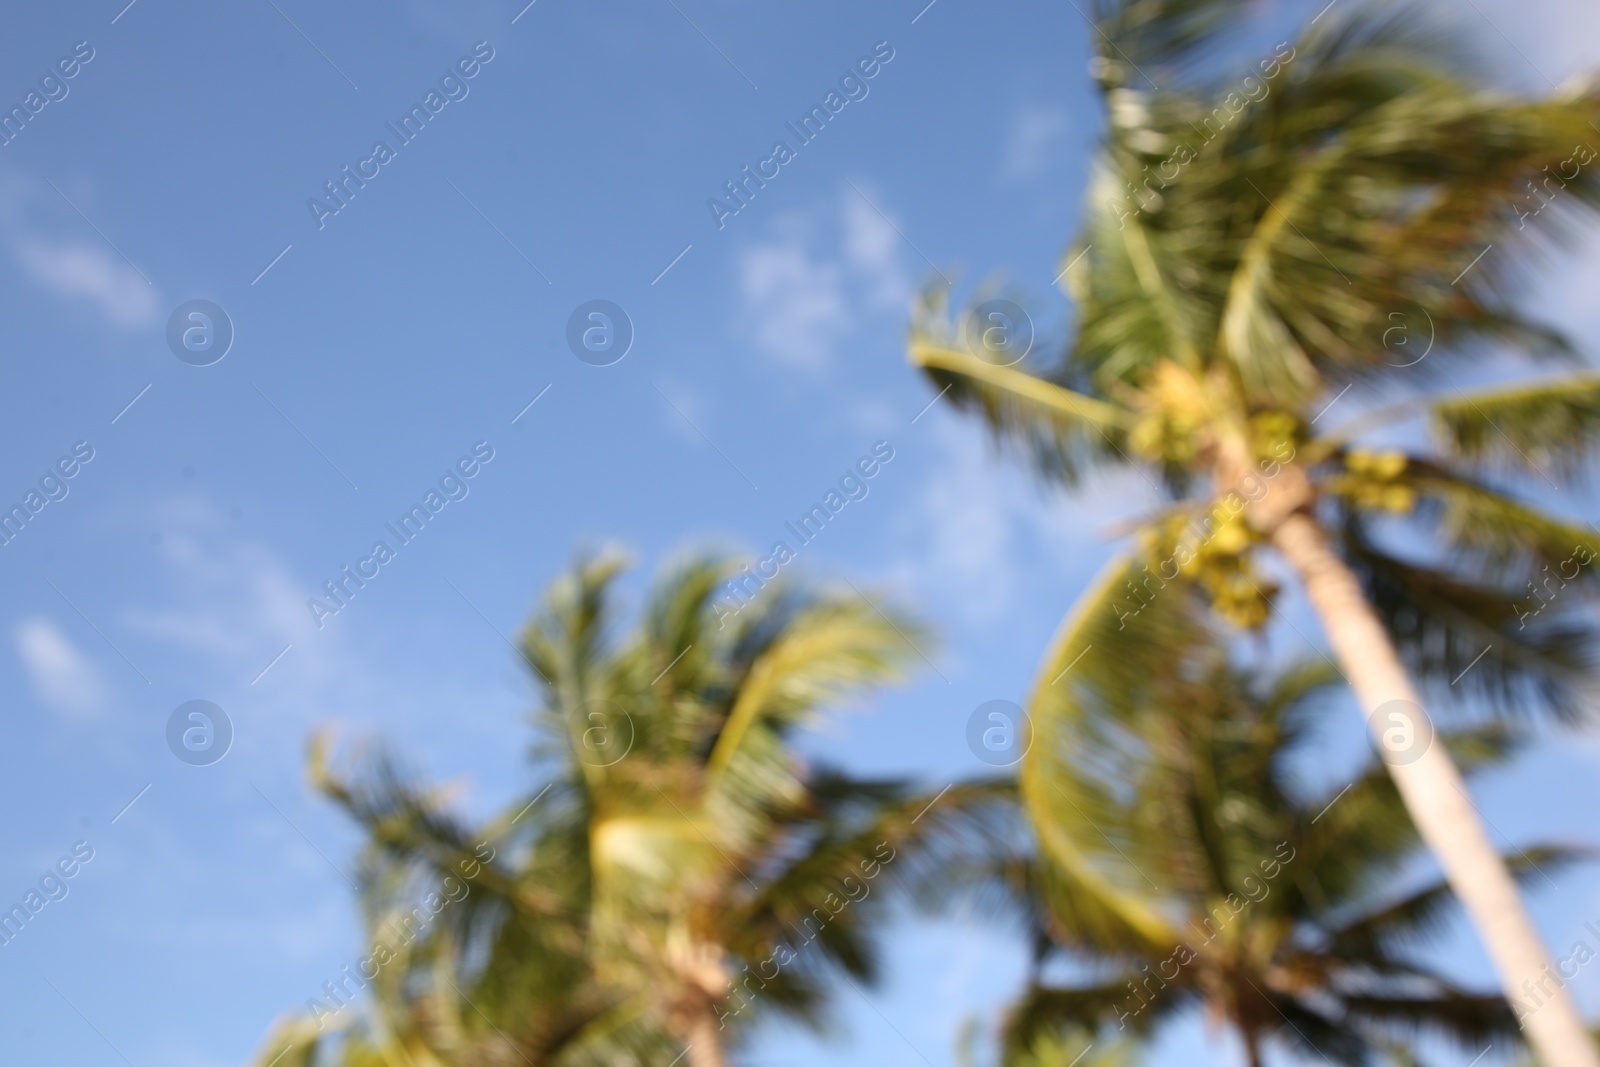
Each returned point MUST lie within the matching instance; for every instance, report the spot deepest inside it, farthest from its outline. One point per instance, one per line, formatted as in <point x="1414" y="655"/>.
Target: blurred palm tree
<point x="678" y="871"/>
<point x="1188" y="864"/>
<point x="1350" y="214"/>
<point x="1064" y="1046"/>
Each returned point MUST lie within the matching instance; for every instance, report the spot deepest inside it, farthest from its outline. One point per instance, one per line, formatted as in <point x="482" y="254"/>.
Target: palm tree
<point x="677" y="869"/>
<point x="1250" y="247"/>
<point x="1187" y="865"/>
<point x="1065" y="1046"/>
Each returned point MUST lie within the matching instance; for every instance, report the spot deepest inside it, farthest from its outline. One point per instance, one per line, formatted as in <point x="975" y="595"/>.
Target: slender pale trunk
<point x="1434" y="794"/>
<point x="704" y="1039"/>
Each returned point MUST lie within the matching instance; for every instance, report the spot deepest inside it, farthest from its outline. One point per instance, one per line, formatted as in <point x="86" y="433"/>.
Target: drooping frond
<point x="1507" y="540"/>
<point x="1064" y="431"/>
<point x="1460" y="637"/>
<point x="1420" y="916"/>
<point x="1470" y="1021"/>
<point x="1178" y="846"/>
<point x="1544" y="428"/>
<point x="1101" y="664"/>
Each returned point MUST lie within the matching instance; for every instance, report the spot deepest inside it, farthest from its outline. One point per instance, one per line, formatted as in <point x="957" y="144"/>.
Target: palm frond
<point x="1065" y="432"/>
<point x="831" y="647"/>
<point x="1458" y="637"/>
<point x="1524" y="428"/>
<point x="1044" y="1011"/>
<point x="1165" y="36"/>
<point x="1422" y="915"/>
<point x="1102" y="663"/>
<point x="1470" y="1021"/>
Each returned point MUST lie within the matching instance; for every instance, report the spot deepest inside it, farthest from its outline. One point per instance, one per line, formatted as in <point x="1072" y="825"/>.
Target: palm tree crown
<point x="1310" y="243"/>
<point x="1190" y="867"/>
<point x="678" y="870"/>
<point x="1350" y="212"/>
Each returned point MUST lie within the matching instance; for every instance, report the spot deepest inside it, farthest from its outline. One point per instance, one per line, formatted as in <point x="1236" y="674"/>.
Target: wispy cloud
<point x="232" y="599"/>
<point x="56" y="249"/>
<point x="810" y="284"/>
<point x="979" y="527"/>
<point x="873" y="250"/>
<point x="796" y="300"/>
<point x="76" y="270"/>
<point x="63" y="677"/>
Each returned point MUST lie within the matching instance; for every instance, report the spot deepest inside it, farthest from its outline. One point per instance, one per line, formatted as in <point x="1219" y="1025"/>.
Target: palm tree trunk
<point x="1252" y="1046"/>
<point x="1434" y="795"/>
<point x="704" y="1039"/>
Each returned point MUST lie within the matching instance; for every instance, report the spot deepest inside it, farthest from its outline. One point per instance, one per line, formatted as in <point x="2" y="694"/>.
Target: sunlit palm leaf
<point x="1064" y="431"/>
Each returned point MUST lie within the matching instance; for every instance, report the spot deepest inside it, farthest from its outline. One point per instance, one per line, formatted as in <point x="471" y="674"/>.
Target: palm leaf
<point x="1459" y="637"/>
<point x="1422" y="914"/>
<point x="1525" y="428"/>
<point x="1096" y="893"/>
<point x="832" y="647"/>
<point x="1160" y="33"/>
<point x="1063" y="430"/>
<point x="1045" y="1010"/>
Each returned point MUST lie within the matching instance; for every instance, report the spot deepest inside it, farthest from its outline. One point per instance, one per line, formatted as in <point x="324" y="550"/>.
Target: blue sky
<point x="374" y="351"/>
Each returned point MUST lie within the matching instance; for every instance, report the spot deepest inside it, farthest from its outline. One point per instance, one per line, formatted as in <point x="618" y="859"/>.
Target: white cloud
<point x="982" y="524"/>
<point x="63" y="677"/>
<point x="872" y="247"/>
<point x="75" y="270"/>
<point x="228" y="605"/>
<point x="234" y="600"/>
<point x="1035" y="132"/>
<point x="803" y="301"/>
<point x="78" y="268"/>
<point x="798" y="302"/>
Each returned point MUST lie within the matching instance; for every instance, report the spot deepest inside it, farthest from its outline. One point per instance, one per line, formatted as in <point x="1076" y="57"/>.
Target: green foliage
<point x="1182" y="863"/>
<point x="674" y="861"/>
<point x="1245" y="260"/>
<point x="1534" y="428"/>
